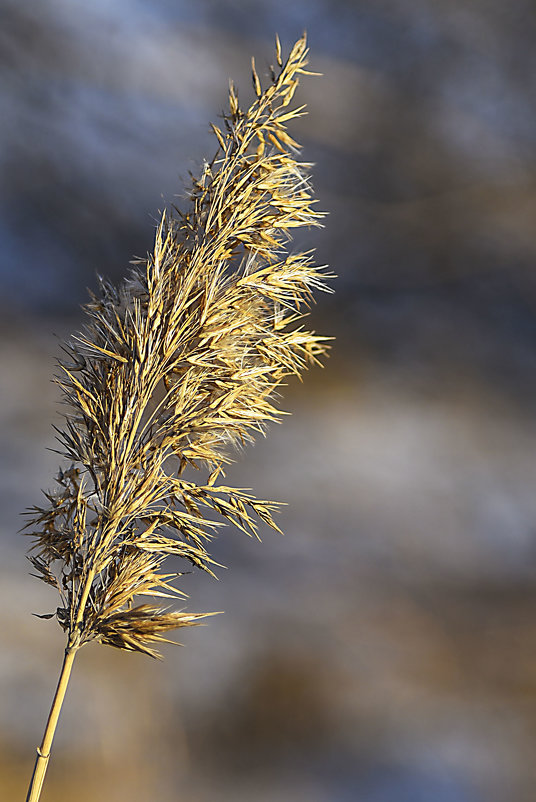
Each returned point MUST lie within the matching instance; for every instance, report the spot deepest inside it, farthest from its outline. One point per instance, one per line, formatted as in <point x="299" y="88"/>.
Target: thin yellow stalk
<point x="43" y="751"/>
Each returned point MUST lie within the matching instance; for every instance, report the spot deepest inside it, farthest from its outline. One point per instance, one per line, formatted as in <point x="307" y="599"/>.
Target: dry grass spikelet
<point x="174" y="368"/>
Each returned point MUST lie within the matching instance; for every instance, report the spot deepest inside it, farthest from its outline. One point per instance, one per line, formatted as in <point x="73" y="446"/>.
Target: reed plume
<point x="174" y="369"/>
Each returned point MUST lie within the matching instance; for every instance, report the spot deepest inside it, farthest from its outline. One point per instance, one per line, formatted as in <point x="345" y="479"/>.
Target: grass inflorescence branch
<point x="175" y="368"/>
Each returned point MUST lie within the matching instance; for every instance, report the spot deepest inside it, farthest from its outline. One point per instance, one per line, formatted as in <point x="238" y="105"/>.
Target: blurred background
<point x="385" y="649"/>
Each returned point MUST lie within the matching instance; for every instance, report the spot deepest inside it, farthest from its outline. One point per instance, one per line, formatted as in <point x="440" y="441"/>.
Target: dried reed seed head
<point x="176" y="367"/>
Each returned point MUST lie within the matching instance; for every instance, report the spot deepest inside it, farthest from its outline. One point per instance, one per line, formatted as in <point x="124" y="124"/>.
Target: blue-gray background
<point x="385" y="649"/>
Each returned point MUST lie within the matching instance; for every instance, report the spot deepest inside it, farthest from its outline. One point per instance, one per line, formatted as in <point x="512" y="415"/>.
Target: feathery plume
<point x="174" y="369"/>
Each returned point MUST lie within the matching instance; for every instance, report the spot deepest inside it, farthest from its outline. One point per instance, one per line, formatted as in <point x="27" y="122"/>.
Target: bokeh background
<point x="385" y="649"/>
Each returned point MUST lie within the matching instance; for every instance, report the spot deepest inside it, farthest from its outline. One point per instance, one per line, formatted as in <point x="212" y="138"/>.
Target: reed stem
<point x="176" y="366"/>
<point x="43" y="751"/>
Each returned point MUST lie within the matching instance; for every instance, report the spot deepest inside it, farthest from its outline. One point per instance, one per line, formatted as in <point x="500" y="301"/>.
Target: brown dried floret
<point x="135" y="629"/>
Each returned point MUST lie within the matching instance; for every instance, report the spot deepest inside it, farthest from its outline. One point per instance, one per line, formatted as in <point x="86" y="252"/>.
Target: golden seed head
<point x="175" y="368"/>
